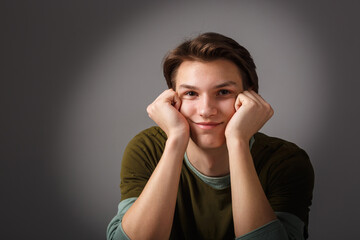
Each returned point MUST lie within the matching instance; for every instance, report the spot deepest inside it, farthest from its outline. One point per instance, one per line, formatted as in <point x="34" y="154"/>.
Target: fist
<point x="164" y="111"/>
<point x="252" y="112"/>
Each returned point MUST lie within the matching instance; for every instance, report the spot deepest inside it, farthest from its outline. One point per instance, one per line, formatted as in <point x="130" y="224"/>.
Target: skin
<point x="208" y="91"/>
<point x="212" y="118"/>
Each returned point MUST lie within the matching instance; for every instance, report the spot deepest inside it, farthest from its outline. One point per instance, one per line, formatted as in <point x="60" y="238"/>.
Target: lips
<point x="207" y="125"/>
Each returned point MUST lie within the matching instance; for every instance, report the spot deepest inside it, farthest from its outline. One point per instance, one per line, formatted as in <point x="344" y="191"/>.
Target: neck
<point x="212" y="162"/>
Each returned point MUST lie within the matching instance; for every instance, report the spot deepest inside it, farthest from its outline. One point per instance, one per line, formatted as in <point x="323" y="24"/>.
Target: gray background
<point x="76" y="77"/>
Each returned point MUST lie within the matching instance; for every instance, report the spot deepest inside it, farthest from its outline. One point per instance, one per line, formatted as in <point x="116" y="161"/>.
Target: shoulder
<point x="140" y="159"/>
<point x="152" y="132"/>
<point x="149" y="137"/>
<point x="280" y="157"/>
<point x="286" y="174"/>
<point x="145" y="148"/>
<point x="274" y="144"/>
<point x="272" y="147"/>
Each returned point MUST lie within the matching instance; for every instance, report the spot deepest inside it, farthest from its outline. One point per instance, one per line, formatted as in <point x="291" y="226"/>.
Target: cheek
<point x="187" y="108"/>
<point x="228" y="108"/>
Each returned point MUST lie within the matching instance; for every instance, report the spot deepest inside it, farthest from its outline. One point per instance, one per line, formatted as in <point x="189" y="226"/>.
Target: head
<point x="208" y="73"/>
<point x="209" y="47"/>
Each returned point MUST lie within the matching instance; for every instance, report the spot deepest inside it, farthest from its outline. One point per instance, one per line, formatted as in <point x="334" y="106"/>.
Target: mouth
<point x="207" y="125"/>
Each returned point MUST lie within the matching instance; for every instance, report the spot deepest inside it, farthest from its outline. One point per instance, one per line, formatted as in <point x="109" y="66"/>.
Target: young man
<point x="206" y="172"/>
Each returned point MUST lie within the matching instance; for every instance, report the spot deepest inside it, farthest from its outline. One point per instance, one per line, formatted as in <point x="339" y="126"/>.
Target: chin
<point x="209" y="142"/>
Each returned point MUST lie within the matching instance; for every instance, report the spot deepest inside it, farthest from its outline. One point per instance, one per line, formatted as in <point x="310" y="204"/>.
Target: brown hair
<point x="208" y="47"/>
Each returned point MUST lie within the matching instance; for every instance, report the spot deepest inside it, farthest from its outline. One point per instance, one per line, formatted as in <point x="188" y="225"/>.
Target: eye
<point x="224" y="92"/>
<point x="190" y="93"/>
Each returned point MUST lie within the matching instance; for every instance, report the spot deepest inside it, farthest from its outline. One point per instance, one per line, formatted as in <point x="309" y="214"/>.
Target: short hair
<point x="209" y="47"/>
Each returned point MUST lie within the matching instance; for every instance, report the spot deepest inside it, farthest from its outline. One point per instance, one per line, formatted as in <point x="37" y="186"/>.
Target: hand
<point x="252" y="112"/>
<point x="164" y="111"/>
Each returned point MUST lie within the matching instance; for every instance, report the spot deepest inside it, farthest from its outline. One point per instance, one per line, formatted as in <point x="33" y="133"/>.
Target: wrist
<point x="234" y="134"/>
<point x="237" y="142"/>
<point x="238" y="137"/>
<point x="178" y="139"/>
<point x="180" y="132"/>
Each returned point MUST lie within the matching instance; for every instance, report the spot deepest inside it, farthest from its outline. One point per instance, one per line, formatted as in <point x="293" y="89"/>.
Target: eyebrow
<point x="225" y="84"/>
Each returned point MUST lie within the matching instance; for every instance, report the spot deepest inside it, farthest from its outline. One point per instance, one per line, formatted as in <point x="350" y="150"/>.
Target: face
<point x="208" y="91"/>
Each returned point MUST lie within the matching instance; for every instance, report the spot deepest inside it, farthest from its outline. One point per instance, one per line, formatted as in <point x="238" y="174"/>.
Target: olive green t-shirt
<point x="204" y="212"/>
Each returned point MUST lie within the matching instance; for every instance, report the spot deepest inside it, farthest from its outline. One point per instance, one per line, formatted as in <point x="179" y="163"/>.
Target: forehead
<point x="207" y="74"/>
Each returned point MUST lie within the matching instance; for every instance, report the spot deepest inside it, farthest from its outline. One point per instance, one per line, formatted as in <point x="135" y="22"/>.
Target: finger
<point x="171" y="97"/>
<point x="258" y="97"/>
<point x="167" y="96"/>
<point x="263" y="102"/>
<point x="239" y="100"/>
<point x="176" y="102"/>
<point x="251" y="95"/>
<point x="247" y="98"/>
<point x="265" y="105"/>
<point x="162" y="95"/>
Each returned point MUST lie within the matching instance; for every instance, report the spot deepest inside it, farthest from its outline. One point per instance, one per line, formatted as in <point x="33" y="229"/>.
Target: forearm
<point x="153" y="211"/>
<point x="251" y="208"/>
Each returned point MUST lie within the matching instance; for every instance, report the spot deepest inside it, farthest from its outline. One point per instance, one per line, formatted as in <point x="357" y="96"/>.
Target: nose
<point x="207" y="107"/>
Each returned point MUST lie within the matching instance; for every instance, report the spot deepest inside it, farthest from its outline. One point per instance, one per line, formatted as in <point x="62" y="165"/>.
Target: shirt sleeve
<point x="286" y="227"/>
<point x="139" y="161"/>
<point x="286" y="175"/>
<point x="114" y="230"/>
<point x="291" y="184"/>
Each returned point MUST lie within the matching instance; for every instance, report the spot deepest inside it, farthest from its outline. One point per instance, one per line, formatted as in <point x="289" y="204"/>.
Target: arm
<point x="114" y="230"/>
<point x="286" y="173"/>
<point x="251" y="208"/>
<point x="153" y="211"/>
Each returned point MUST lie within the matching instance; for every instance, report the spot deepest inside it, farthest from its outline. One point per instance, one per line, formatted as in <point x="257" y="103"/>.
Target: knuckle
<point x="149" y="108"/>
<point x="268" y="106"/>
<point x="251" y="103"/>
<point x="271" y="112"/>
<point x="170" y="91"/>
